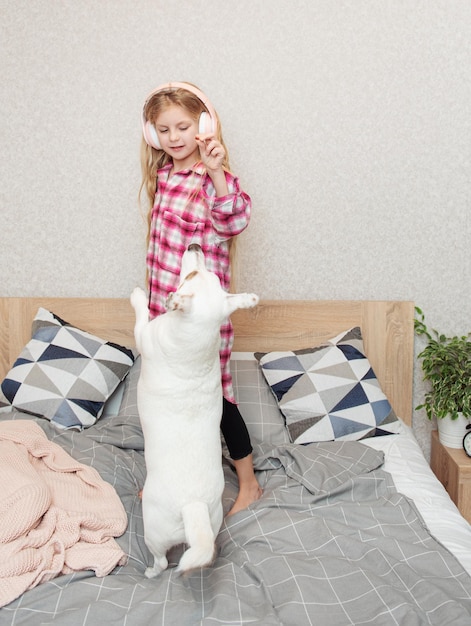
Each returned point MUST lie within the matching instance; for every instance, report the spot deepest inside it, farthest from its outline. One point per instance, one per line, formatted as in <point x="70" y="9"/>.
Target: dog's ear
<point x="178" y="301"/>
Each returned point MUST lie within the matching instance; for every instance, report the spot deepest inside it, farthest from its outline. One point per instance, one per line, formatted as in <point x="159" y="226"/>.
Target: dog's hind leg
<point x="199" y="536"/>
<point x="160" y="563"/>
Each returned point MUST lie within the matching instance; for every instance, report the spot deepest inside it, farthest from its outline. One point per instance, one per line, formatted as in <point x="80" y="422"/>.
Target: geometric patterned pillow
<point x="64" y="374"/>
<point x="329" y="392"/>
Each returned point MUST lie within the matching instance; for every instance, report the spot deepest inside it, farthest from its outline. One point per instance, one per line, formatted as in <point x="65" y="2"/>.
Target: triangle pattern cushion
<point x="329" y="392"/>
<point x="64" y="374"/>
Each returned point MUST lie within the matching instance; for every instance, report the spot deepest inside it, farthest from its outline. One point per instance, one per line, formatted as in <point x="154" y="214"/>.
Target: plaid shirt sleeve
<point x="230" y="214"/>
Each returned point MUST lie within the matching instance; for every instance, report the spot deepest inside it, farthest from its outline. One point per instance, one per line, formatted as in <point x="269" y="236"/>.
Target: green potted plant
<point x="446" y="365"/>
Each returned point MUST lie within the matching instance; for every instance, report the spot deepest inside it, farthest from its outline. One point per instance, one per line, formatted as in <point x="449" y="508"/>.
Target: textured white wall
<point x="347" y="121"/>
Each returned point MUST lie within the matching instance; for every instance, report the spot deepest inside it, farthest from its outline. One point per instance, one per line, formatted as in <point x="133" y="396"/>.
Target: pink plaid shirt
<point x="186" y="211"/>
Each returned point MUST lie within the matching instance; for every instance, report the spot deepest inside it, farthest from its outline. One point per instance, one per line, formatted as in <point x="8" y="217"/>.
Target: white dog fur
<point x="180" y="406"/>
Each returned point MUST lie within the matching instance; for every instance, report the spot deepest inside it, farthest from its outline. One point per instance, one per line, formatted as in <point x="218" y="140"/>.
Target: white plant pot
<point x="451" y="432"/>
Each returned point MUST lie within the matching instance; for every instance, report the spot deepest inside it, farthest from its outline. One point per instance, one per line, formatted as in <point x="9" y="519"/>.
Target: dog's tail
<point x="199" y="536"/>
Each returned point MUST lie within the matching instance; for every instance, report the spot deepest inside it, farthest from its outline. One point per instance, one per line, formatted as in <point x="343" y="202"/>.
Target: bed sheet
<point x="331" y="542"/>
<point x="414" y="478"/>
<point x="403" y="457"/>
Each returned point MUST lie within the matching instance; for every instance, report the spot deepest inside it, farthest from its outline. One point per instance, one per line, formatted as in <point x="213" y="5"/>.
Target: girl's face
<point x="176" y="130"/>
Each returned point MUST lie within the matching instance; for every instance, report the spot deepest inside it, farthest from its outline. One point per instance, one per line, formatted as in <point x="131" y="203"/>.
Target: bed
<point x="352" y="528"/>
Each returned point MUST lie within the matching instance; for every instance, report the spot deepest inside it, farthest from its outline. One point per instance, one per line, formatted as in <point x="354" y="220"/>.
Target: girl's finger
<point x="205" y="138"/>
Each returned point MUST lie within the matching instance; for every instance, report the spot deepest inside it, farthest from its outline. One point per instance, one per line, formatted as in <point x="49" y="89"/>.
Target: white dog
<point x="179" y="398"/>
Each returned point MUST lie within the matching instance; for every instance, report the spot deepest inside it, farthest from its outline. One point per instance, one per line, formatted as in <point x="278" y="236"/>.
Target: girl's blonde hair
<point x="153" y="159"/>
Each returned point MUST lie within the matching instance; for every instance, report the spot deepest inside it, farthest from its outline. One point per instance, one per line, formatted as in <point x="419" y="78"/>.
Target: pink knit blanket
<point x="57" y="516"/>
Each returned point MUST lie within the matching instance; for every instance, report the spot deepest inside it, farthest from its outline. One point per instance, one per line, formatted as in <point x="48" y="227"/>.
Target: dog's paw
<point x="250" y="300"/>
<point x="160" y="564"/>
<point x="151" y="573"/>
<point x="241" y="301"/>
<point x="138" y="298"/>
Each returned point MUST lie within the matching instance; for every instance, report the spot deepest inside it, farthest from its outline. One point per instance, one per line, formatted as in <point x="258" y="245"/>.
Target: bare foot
<point x="246" y="496"/>
<point x="249" y="489"/>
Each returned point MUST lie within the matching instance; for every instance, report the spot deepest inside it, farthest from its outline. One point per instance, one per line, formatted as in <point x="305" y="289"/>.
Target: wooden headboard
<point x="387" y="328"/>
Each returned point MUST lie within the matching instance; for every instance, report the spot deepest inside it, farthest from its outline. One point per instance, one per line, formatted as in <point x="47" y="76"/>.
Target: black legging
<point x="235" y="431"/>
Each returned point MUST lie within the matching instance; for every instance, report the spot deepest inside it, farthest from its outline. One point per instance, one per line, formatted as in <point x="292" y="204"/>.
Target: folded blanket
<point x="57" y="515"/>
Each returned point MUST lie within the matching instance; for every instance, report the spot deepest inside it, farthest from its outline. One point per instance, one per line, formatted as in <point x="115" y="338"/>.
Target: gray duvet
<point x="331" y="542"/>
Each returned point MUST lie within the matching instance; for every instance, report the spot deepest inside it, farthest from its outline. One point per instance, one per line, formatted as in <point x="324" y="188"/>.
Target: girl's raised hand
<point x="211" y="150"/>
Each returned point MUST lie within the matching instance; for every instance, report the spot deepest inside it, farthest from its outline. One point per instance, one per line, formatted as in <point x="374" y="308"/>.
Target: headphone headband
<point x="207" y="121"/>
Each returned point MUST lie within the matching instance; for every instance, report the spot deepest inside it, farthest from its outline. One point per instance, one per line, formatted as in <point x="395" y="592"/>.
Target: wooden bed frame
<point x="387" y="328"/>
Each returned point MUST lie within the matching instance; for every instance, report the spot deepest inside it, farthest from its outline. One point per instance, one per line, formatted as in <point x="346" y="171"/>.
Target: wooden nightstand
<point x="452" y="467"/>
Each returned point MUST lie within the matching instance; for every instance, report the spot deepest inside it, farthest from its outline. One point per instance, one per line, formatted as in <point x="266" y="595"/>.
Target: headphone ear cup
<point x="151" y="137"/>
<point x="205" y="123"/>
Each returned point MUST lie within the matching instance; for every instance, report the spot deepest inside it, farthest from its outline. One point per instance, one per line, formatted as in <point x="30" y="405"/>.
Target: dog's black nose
<point x="194" y="247"/>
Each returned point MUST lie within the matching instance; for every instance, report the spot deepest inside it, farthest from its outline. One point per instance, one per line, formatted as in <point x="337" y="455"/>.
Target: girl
<point x="193" y="198"/>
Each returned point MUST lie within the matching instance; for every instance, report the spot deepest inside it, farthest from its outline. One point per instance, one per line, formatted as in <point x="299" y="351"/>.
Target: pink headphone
<point x="207" y="121"/>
